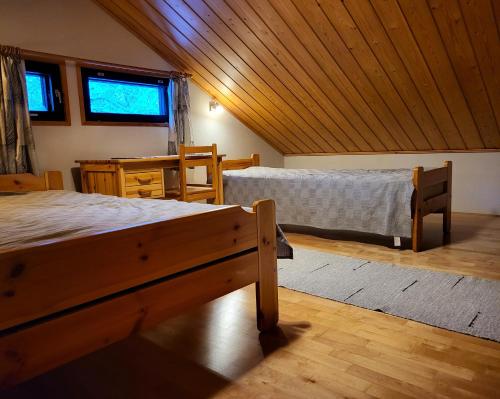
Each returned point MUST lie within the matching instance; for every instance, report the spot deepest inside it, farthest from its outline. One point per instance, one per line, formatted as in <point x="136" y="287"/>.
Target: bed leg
<point x="447" y="210"/>
<point x="267" y="286"/>
<point x="416" y="235"/>
<point x="418" y="216"/>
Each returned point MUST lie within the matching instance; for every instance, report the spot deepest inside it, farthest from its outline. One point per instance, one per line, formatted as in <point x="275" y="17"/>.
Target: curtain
<point x="179" y="119"/>
<point x="17" y="149"/>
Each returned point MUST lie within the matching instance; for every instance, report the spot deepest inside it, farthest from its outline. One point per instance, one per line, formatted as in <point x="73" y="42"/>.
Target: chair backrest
<point x="190" y="157"/>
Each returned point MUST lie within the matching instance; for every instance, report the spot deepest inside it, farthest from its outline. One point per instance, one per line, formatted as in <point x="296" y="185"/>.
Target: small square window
<point x="37" y="92"/>
<point x="111" y="96"/>
<point x="45" y="93"/>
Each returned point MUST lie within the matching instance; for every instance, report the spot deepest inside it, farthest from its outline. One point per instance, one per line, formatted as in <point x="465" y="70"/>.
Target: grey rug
<point x="459" y="303"/>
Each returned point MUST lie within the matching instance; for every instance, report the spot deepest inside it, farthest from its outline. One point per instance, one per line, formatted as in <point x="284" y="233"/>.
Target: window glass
<point x="45" y="93"/>
<point x="115" y="97"/>
<point x="37" y="94"/>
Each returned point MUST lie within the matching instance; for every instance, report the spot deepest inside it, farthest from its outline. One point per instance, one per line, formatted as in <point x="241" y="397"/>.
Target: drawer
<point x="145" y="191"/>
<point x="145" y="178"/>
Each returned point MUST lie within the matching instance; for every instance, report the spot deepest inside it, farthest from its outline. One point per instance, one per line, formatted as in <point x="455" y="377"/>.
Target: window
<point x="110" y="96"/>
<point x="45" y="93"/>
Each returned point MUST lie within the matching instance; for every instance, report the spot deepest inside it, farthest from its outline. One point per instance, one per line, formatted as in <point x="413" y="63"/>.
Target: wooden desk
<point x="134" y="177"/>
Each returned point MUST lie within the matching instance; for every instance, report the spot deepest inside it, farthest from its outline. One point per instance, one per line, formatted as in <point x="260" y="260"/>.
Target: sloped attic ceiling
<point x="332" y="76"/>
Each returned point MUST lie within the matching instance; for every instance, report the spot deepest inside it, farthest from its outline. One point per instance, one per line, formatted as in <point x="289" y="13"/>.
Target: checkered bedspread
<point x="372" y="201"/>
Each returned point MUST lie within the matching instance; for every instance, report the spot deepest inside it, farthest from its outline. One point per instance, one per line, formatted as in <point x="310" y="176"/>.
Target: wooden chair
<point x="195" y="192"/>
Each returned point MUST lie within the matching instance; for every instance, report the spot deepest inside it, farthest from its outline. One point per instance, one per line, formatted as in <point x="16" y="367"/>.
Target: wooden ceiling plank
<point x="424" y="30"/>
<point x="361" y="53"/>
<point x="282" y="111"/>
<point x="268" y="26"/>
<point x="312" y="128"/>
<point x="409" y="51"/>
<point x="173" y="59"/>
<point x="482" y="26"/>
<point x="377" y="39"/>
<point x="240" y="86"/>
<point x="158" y="19"/>
<point x="140" y="27"/>
<point x="238" y="70"/>
<point x="385" y="102"/>
<point x="334" y="63"/>
<point x="297" y="91"/>
<point x="343" y="76"/>
<point x="249" y="30"/>
<point x="451" y="25"/>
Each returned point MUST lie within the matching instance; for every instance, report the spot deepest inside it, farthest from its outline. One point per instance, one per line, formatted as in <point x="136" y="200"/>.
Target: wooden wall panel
<point x="333" y="76"/>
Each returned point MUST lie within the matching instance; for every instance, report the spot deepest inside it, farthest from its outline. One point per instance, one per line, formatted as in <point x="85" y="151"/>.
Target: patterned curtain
<point x="17" y="149"/>
<point x="179" y="118"/>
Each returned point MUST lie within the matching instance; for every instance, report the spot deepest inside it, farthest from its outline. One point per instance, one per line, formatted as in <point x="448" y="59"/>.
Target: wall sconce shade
<point x="214" y="106"/>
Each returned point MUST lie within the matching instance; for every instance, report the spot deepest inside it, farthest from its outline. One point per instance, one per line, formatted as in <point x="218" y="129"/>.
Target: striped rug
<point x="459" y="303"/>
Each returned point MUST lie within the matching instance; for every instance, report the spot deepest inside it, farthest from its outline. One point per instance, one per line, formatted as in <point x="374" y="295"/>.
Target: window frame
<point x="88" y="70"/>
<point x="47" y="65"/>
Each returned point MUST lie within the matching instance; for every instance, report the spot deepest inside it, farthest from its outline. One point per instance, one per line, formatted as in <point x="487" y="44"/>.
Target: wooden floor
<point x="323" y="349"/>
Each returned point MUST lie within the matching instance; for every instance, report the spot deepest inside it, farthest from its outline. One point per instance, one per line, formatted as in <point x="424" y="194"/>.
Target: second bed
<point x="389" y="202"/>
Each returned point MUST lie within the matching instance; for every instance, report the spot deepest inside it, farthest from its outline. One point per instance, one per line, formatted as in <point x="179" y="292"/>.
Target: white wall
<point x="81" y="29"/>
<point x="476" y="176"/>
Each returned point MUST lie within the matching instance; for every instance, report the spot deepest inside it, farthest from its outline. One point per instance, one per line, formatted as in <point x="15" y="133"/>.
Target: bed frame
<point x="68" y="298"/>
<point x="432" y="194"/>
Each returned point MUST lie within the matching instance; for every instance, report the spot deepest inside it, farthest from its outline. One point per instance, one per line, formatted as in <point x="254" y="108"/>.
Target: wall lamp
<point x="214" y="106"/>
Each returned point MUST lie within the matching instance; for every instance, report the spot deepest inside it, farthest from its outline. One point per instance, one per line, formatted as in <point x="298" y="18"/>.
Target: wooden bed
<point x="432" y="194"/>
<point x="68" y="298"/>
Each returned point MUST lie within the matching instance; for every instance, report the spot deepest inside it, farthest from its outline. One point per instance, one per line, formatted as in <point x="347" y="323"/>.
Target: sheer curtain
<point x="179" y="119"/>
<point x="17" y="148"/>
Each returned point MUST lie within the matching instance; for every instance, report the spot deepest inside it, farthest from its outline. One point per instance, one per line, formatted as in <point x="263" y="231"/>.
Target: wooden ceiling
<point x="332" y="76"/>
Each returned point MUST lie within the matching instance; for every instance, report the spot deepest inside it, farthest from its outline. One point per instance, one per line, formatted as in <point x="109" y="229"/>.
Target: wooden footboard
<point x="234" y="164"/>
<point x="432" y="195"/>
<point x="69" y="298"/>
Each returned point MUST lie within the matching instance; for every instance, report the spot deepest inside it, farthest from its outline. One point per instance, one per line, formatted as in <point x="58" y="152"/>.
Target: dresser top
<point x="129" y="160"/>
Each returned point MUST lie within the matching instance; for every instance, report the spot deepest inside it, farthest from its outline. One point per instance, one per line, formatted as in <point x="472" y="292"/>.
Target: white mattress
<point x="45" y="216"/>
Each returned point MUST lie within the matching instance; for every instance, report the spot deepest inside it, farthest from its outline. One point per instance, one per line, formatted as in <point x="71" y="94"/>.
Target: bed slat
<point x="435" y="204"/>
<point x="434" y="176"/>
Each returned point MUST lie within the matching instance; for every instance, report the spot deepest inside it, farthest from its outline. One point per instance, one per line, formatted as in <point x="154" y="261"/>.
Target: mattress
<point x="372" y="201"/>
<point x="42" y="217"/>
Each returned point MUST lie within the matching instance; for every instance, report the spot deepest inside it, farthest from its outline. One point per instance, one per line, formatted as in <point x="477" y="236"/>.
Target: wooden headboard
<point x="232" y="164"/>
<point x="51" y="180"/>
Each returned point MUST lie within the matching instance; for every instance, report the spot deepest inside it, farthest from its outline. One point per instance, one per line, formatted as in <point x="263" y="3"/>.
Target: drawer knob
<point x="144" y="180"/>
<point x="145" y="193"/>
